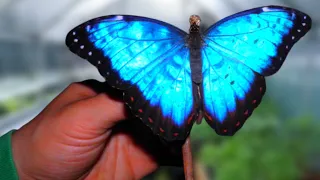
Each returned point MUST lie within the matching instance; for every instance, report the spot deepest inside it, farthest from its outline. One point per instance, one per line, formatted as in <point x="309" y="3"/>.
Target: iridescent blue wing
<point x="238" y="51"/>
<point x="147" y="59"/>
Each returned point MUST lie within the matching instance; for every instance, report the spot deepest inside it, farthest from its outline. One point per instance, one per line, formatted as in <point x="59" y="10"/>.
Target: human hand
<point x="79" y="135"/>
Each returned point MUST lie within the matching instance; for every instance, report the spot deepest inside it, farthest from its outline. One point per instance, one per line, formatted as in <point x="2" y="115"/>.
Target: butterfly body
<point x="194" y="44"/>
<point x="171" y="78"/>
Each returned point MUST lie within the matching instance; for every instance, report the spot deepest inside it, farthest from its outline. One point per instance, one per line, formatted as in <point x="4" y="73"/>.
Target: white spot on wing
<point x="82" y="46"/>
<point x="303" y="24"/>
<point x="90" y="53"/>
<point x="74" y="33"/>
<point x="75" y="40"/>
<point x="117" y="18"/>
<point x="266" y="9"/>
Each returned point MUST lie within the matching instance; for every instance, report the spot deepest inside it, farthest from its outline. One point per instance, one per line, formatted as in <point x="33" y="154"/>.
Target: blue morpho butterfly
<point x="171" y="78"/>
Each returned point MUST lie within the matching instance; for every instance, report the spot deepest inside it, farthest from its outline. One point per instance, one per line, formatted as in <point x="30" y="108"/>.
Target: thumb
<point x="97" y="113"/>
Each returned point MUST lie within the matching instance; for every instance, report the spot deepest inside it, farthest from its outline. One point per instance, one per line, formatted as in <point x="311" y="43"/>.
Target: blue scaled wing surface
<point x="237" y="53"/>
<point x="149" y="60"/>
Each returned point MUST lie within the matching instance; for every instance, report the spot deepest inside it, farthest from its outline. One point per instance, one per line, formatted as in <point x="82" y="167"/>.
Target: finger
<point x="124" y="160"/>
<point x="77" y="91"/>
<point x="97" y="113"/>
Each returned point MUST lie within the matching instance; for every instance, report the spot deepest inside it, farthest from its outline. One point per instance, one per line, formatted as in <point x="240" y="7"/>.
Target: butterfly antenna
<point x="187" y="159"/>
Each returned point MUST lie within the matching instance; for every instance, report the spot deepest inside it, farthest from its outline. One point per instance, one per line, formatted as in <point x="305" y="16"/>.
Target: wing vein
<point x="163" y="55"/>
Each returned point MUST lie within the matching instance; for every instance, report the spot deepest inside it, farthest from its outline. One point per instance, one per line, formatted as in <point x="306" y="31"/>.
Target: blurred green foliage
<point x="15" y="104"/>
<point x="21" y="102"/>
<point x="162" y="174"/>
<point x="266" y="148"/>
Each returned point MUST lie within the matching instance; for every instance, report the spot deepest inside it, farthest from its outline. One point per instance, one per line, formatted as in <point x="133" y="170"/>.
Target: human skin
<point x="75" y="137"/>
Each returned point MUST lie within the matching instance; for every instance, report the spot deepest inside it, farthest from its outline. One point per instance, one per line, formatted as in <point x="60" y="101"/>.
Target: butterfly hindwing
<point x="237" y="52"/>
<point x="231" y="91"/>
<point x="147" y="59"/>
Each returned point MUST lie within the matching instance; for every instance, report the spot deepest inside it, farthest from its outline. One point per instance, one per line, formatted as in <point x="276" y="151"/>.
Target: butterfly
<point x="170" y="78"/>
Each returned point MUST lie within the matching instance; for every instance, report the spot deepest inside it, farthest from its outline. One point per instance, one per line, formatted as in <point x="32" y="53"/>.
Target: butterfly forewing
<point x="260" y="38"/>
